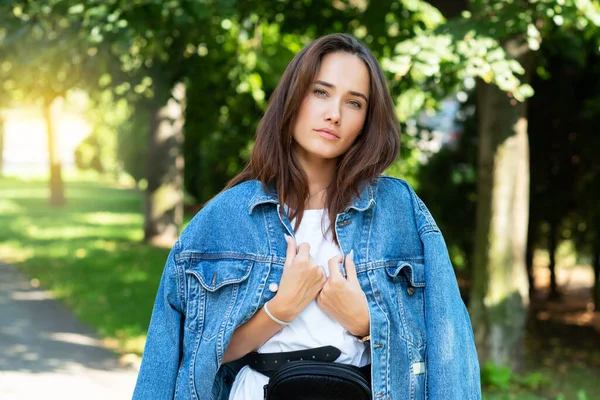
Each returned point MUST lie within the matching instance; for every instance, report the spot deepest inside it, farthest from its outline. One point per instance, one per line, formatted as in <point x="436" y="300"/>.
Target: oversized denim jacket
<point x="219" y="271"/>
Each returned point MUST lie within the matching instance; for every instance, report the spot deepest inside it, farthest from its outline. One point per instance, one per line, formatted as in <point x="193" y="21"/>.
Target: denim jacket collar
<point x="363" y="202"/>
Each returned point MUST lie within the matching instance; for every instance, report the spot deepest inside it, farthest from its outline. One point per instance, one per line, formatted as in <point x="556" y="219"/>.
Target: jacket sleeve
<point x="160" y="363"/>
<point x="453" y="366"/>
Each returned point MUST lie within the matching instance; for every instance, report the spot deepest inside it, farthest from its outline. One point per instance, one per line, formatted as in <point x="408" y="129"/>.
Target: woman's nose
<point x="333" y="113"/>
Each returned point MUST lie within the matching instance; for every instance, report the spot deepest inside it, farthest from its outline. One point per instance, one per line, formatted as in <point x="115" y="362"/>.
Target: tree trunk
<point x="1" y="145"/>
<point x="164" y="195"/>
<point x="553" y="295"/>
<point x="57" y="191"/>
<point x="529" y="255"/>
<point x="499" y="295"/>
<point x="596" y="261"/>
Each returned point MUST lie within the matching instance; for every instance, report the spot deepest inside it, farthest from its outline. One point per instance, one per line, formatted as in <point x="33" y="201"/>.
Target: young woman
<point x="309" y="247"/>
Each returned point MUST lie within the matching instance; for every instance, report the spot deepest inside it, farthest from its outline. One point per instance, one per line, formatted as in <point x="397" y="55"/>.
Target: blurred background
<point x="120" y="119"/>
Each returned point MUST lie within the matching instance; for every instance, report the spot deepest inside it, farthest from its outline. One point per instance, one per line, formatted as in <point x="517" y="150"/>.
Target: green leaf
<point x="496" y="376"/>
<point x="516" y="67"/>
<point x="399" y="65"/>
<point x="533" y="43"/>
<point x="407" y="47"/>
<point x="420" y="70"/>
<point x="526" y="90"/>
<point x="409" y="103"/>
<point x="76" y="9"/>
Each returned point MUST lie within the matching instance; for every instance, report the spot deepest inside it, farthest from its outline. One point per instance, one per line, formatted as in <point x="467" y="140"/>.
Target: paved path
<point x="45" y="353"/>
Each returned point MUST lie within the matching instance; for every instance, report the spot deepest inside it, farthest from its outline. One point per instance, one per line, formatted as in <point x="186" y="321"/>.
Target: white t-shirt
<point x="312" y="327"/>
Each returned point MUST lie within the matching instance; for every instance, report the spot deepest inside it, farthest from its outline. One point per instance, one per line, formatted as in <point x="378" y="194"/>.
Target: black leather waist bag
<point x="318" y="380"/>
<point x="309" y="374"/>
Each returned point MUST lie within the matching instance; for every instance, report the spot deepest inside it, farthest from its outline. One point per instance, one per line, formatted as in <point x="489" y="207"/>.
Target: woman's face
<point x="333" y="112"/>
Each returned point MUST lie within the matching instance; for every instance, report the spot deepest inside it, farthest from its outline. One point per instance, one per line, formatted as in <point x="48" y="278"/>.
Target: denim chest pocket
<point x="409" y="281"/>
<point x="214" y="290"/>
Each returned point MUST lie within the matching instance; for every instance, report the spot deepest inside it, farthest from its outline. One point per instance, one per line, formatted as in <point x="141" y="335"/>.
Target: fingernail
<point x="351" y="254"/>
<point x="287" y="238"/>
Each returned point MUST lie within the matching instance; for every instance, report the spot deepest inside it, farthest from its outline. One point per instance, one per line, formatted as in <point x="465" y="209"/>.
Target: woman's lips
<point x="326" y="134"/>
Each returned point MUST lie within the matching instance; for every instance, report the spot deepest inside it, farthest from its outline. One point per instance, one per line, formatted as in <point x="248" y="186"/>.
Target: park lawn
<point x="91" y="256"/>
<point x="577" y="384"/>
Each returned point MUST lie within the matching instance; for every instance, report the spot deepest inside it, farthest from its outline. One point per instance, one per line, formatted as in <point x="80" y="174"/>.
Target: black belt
<point x="267" y="363"/>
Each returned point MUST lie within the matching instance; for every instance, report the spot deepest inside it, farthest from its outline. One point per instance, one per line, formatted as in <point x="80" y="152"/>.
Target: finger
<point x="323" y="279"/>
<point x="351" y="267"/>
<point x="321" y="296"/>
<point x="291" y="248"/>
<point x="319" y="299"/>
<point x="323" y="272"/>
<point x="304" y="250"/>
<point x="322" y="301"/>
<point x="334" y="267"/>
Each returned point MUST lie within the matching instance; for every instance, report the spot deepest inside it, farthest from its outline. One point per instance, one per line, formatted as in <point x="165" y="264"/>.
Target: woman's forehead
<point x="345" y="71"/>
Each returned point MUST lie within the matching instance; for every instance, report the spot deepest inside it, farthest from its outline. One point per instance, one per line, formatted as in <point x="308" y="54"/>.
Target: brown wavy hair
<point x="273" y="161"/>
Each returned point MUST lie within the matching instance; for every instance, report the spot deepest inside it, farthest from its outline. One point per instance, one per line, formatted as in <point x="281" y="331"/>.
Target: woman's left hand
<point x="343" y="299"/>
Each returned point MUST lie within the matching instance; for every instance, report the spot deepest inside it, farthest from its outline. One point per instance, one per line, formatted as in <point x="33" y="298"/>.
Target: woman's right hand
<point x="301" y="282"/>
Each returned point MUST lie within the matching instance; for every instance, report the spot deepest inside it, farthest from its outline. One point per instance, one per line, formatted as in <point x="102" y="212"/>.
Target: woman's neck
<point x="320" y="173"/>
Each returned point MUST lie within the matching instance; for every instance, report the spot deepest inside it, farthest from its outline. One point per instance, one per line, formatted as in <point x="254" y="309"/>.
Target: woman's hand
<point x="343" y="299"/>
<point x="301" y="282"/>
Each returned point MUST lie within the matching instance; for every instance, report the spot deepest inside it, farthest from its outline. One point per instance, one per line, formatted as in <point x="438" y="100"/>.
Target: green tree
<point x="1" y="144"/>
<point x="500" y="296"/>
<point x="156" y="43"/>
<point x="447" y="183"/>
<point x="554" y="123"/>
<point x="494" y="41"/>
<point x="467" y="45"/>
<point x="45" y="60"/>
<point x="225" y="104"/>
<point x="110" y="118"/>
<point x="587" y="219"/>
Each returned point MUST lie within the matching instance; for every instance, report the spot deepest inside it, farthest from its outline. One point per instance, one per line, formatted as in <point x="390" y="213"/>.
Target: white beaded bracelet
<point x="280" y="322"/>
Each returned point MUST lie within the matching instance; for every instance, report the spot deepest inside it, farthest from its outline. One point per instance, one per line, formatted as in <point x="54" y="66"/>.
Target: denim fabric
<point x="218" y="273"/>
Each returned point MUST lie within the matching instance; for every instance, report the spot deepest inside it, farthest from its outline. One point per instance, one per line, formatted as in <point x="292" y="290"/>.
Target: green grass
<point x="91" y="256"/>
<point x="89" y="253"/>
<point x="543" y="383"/>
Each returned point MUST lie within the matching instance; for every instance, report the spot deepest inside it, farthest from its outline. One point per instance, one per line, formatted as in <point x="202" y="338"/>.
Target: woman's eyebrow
<point x="352" y="92"/>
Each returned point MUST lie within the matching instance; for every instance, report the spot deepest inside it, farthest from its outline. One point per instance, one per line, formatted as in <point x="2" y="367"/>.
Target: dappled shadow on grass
<point x="568" y="356"/>
<point x="39" y="334"/>
<point x="91" y="209"/>
<point x="112" y="290"/>
<point x="560" y="345"/>
<point x="562" y="352"/>
<point x="89" y="253"/>
<point x="80" y="197"/>
<point x="564" y="348"/>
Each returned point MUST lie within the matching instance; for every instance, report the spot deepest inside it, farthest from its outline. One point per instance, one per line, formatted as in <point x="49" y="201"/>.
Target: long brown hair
<point x="273" y="161"/>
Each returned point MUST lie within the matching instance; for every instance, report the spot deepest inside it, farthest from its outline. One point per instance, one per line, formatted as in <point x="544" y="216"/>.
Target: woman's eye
<point x="320" y="92"/>
<point x="355" y="104"/>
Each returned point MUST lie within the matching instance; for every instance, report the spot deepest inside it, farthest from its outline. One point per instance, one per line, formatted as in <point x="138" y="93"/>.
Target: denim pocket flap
<point x="413" y="272"/>
<point x="214" y="274"/>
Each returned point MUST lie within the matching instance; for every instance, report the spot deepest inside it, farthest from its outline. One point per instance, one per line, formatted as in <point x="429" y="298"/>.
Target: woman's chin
<point x="324" y="155"/>
<point x="326" y="152"/>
